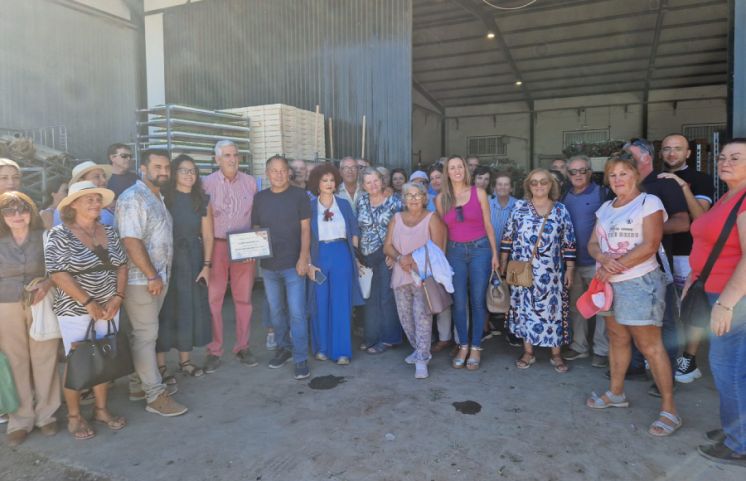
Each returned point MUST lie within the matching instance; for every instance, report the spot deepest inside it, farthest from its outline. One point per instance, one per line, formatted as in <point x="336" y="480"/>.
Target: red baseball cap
<point x="596" y="299"/>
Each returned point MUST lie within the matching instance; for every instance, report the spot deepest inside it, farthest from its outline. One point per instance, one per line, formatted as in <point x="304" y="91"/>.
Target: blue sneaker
<point x="301" y="370"/>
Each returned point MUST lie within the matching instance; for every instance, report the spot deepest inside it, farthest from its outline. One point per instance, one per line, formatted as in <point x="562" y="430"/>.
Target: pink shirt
<point x="231" y="201"/>
<point x="470" y="227"/>
<point x="406" y="240"/>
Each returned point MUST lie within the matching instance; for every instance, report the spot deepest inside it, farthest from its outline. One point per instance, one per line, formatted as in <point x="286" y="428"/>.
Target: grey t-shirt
<point x="281" y="213"/>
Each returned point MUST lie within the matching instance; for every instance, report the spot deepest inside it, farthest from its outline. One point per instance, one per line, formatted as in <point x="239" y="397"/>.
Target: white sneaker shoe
<point x="420" y="370"/>
<point x="271" y="343"/>
<point x="410" y="359"/>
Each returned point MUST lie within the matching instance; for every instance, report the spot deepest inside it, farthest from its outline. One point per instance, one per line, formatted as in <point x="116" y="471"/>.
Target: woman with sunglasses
<point x="87" y="263"/>
<point x="333" y="267"/>
<point x="33" y="363"/>
<point x="472" y="253"/>
<point x="538" y="314"/>
<point x="185" y="320"/>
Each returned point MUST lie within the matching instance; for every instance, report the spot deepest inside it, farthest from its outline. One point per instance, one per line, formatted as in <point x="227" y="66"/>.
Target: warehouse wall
<point x="668" y="111"/>
<point x="351" y="57"/>
<point x="65" y="67"/>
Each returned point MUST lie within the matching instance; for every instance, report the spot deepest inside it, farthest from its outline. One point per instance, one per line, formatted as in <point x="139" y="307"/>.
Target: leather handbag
<point x="520" y="273"/>
<point x="96" y="361"/>
<point x="436" y="296"/>
<point x="498" y="295"/>
<point x="695" y="307"/>
<point x="45" y="326"/>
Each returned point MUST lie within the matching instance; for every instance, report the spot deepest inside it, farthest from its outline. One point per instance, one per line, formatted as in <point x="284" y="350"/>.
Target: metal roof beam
<point x="662" y="4"/>
<point x="423" y="91"/>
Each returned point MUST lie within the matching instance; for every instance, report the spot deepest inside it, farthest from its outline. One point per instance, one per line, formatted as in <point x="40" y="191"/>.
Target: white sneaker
<point x="410" y="359"/>
<point x="271" y="343"/>
<point x="3" y="418"/>
<point x="420" y="370"/>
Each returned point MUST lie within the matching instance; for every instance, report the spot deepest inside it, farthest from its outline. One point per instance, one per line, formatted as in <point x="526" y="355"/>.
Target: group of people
<point x="157" y="244"/>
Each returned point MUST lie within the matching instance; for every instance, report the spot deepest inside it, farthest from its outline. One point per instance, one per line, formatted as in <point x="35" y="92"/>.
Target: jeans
<point x="471" y="263"/>
<point x="670" y="332"/>
<point x="728" y="365"/>
<point x="381" y="320"/>
<point x="286" y="296"/>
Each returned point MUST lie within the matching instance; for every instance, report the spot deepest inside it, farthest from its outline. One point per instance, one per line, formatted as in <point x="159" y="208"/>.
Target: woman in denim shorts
<point x="624" y="242"/>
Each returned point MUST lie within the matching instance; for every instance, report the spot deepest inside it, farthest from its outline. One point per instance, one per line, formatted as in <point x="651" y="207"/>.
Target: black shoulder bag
<point x="96" y="361"/>
<point x="695" y="308"/>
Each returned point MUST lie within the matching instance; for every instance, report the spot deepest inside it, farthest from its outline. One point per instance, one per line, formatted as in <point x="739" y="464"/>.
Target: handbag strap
<point x="541" y="230"/>
<point x="727" y="227"/>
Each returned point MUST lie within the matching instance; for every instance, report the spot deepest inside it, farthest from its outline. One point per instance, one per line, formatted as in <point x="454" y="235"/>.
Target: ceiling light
<point x="518" y="82"/>
<point x="490" y="35"/>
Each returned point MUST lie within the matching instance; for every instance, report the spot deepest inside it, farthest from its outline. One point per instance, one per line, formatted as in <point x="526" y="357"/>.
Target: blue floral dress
<point x="538" y="314"/>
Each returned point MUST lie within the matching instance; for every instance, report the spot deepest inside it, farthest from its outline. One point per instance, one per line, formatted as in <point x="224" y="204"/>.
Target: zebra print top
<point x="64" y="252"/>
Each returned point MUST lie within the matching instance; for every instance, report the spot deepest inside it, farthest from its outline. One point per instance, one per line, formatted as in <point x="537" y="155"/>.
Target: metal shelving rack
<point x="181" y="129"/>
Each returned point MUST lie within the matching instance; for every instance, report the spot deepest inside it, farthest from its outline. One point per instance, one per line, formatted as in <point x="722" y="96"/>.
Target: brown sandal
<point x="559" y="364"/>
<point x="115" y="423"/>
<point x="79" y="427"/>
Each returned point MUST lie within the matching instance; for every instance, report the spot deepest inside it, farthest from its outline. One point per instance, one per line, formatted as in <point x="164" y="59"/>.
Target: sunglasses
<point x="459" y="213"/>
<point x="125" y="156"/>
<point x="534" y="183"/>
<point x="11" y="211"/>
<point x="582" y="171"/>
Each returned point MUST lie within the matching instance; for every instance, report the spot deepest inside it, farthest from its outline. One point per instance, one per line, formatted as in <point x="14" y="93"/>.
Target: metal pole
<point x="737" y="70"/>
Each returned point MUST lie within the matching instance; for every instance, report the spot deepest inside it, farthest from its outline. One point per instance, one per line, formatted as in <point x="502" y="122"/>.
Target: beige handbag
<point x="520" y="273"/>
<point x="498" y="296"/>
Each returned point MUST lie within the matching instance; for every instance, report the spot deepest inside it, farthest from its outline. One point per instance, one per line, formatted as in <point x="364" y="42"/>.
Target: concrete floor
<point x="379" y="423"/>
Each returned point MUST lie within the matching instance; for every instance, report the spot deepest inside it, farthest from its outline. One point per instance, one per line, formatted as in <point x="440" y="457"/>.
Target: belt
<point x="341" y="239"/>
<point x="468" y="243"/>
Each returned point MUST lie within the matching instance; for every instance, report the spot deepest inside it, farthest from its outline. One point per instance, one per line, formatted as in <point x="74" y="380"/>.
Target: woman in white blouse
<point x="334" y="270"/>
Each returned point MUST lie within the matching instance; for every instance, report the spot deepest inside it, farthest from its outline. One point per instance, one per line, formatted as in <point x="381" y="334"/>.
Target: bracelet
<point x="88" y="301"/>
<point x="121" y="296"/>
<point x="154" y="278"/>
<point x="729" y="309"/>
<point x="207" y="263"/>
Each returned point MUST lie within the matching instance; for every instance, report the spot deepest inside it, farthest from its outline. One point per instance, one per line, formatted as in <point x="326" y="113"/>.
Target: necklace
<point x="91" y="236"/>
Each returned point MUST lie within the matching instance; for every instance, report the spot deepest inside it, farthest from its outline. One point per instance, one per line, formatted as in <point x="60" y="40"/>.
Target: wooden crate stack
<point x="285" y="130"/>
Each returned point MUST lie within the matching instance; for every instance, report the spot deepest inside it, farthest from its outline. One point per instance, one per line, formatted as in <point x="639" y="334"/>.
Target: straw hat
<point x="79" y="189"/>
<point x="84" y="167"/>
<point x="8" y="163"/>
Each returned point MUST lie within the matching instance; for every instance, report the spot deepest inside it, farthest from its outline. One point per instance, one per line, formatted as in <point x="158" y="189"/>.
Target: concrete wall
<point x="669" y="111"/>
<point x="69" y="65"/>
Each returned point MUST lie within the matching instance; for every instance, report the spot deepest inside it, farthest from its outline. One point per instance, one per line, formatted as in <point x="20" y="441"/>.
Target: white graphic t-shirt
<point x="619" y="230"/>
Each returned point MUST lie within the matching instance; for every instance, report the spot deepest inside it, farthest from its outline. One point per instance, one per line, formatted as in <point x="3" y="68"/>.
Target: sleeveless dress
<point x="185" y="317"/>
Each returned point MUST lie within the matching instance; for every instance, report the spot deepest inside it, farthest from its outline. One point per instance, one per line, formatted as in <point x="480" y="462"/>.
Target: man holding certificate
<point x="285" y="212"/>
<point x="232" y="197"/>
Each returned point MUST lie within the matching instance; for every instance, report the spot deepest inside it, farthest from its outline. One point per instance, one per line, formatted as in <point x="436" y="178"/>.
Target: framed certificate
<point x="253" y="244"/>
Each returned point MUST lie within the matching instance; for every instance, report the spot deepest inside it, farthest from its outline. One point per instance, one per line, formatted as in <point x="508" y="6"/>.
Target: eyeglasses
<point x="349" y="168"/>
<point x="543" y="182"/>
<point x="125" y="156"/>
<point x="11" y="211"/>
<point x="414" y="196"/>
<point x="187" y="171"/>
<point x="582" y="171"/>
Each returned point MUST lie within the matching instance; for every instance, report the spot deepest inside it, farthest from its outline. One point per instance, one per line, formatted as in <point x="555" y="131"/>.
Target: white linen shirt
<point x="334" y="228"/>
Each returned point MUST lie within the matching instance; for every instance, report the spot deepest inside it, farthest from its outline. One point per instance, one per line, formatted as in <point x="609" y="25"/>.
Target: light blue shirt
<point x="499" y="216"/>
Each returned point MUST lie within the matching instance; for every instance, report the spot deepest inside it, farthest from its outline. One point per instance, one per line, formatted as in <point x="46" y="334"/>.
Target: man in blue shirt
<point x="582" y="200"/>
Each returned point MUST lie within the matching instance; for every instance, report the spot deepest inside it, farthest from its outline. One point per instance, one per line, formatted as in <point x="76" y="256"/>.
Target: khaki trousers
<point x="34" y="366"/>
<point x="142" y="311"/>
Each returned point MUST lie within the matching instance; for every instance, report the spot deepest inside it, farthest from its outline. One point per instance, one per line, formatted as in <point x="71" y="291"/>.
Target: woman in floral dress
<point x="538" y="314"/>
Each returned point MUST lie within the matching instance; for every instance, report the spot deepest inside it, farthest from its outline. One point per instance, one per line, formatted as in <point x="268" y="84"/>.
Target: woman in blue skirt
<point x="334" y="269"/>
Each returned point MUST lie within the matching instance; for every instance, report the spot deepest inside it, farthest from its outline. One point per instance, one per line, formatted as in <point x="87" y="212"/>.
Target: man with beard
<point x="698" y="190"/>
<point x="146" y="229"/>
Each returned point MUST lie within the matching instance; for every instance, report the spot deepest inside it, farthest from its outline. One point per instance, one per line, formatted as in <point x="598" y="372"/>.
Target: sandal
<point x="188" y="368"/>
<point x="459" y="362"/>
<point x="79" y="427"/>
<point x="168" y="379"/>
<point x="661" y="429"/>
<point x="115" y="423"/>
<point x="559" y="364"/>
<point x="614" y="401"/>
<point x="473" y="364"/>
<point x="378" y="348"/>
<point x="523" y="362"/>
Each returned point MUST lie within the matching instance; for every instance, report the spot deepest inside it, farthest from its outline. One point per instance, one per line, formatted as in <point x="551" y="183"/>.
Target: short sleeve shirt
<point x="374" y="221"/>
<point x="703" y="188"/>
<point x="118" y="183"/>
<point x="19" y="265"/>
<point x="231" y="201"/>
<point x="282" y="213"/>
<point x="143" y="215"/>
<point x="620" y="229"/>
<point x="669" y="192"/>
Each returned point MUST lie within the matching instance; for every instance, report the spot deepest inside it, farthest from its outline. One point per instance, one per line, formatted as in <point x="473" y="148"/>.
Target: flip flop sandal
<point x="115" y="423"/>
<point x="660" y="429"/>
<point x="521" y="364"/>
<point x="598" y="402"/>
<point x="80" y="429"/>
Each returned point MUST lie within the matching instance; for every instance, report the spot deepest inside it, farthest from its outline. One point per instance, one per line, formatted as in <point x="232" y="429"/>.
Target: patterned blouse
<point x="64" y="252"/>
<point x="374" y="221"/>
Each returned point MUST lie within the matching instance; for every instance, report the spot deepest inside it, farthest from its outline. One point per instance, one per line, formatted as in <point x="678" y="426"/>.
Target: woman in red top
<point x="726" y="287"/>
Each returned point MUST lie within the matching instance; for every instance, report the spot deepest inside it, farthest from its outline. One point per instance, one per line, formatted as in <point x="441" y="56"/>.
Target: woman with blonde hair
<point x="540" y="231"/>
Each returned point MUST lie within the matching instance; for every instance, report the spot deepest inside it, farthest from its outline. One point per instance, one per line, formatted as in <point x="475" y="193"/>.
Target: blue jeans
<point x="471" y="263"/>
<point x="669" y="332"/>
<point x="286" y="296"/>
<point x="728" y="366"/>
<point x="381" y="319"/>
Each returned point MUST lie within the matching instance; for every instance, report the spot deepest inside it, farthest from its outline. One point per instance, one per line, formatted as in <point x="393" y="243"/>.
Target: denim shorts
<point x="640" y="301"/>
